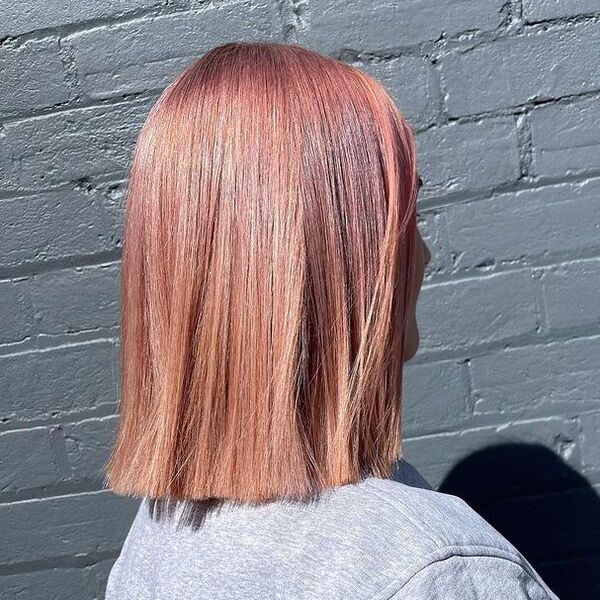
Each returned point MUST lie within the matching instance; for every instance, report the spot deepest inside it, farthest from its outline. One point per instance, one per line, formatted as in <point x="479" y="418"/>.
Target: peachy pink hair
<point x="268" y="246"/>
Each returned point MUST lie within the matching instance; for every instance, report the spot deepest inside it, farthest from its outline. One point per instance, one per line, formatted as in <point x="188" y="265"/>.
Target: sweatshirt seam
<point x="457" y="551"/>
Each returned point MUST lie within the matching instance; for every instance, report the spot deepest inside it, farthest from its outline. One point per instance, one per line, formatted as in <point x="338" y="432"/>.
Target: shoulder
<point x="437" y="546"/>
<point x="422" y="517"/>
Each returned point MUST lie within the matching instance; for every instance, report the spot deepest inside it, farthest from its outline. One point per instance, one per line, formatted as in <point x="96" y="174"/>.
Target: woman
<point x="271" y="269"/>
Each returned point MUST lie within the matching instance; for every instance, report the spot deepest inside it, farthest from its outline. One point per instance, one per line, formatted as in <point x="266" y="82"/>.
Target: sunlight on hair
<point x="268" y="240"/>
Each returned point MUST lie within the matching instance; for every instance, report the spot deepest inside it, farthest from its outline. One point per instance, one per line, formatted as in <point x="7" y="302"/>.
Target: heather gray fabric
<point x="381" y="539"/>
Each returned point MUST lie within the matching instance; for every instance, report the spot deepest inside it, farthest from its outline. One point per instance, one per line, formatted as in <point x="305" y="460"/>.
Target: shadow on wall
<point x="540" y="504"/>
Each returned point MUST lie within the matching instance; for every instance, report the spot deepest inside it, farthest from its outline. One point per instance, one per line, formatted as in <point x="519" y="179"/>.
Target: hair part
<point x="268" y="246"/>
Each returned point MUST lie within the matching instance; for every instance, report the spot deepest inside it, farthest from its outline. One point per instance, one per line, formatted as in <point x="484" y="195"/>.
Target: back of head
<point x="268" y="238"/>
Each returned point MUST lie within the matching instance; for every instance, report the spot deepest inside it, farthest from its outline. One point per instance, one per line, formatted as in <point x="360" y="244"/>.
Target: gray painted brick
<point x="27" y="459"/>
<point x="32" y="76"/>
<point x="18" y="18"/>
<point x="432" y="227"/>
<point x="60" y="224"/>
<point x="132" y="57"/>
<point x="76" y="299"/>
<point x="88" y="445"/>
<point x="538" y="10"/>
<point x="514" y="70"/>
<point x="435" y="454"/>
<point x="571" y="294"/>
<point x="541" y="223"/>
<point x="591" y="438"/>
<point x="16" y="314"/>
<point x="566" y="138"/>
<point x="411" y="83"/>
<point x="434" y="398"/>
<point x="468" y="156"/>
<point x="475" y="311"/>
<point x="60" y="381"/>
<point x="48" y="528"/>
<point x="64" y="146"/>
<point x="558" y="377"/>
<point x="334" y="25"/>
<point x="99" y="573"/>
<point x="52" y="584"/>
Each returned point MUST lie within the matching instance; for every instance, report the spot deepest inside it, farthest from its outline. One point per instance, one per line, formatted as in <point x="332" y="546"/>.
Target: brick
<point x="16" y="313"/>
<point x="88" y="445"/>
<point x="69" y="145"/>
<point x="59" y="381"/>
<point x="566" y="138"/>
<point x="515" y="70"/>
<point x="571" y="294"/>
<point x="41" y="15"/>
<point x="539" y="10"/>
<point x="435" y="397"/>
<point x="49" y="528"/>
<point x="468" y="156"/>
<point x="556" y="377"/>
<point x="60" y="224"/>
<point x="76" y="299"/>
<point x="51" y="584"/>
<point x="32" y="76"/>
<point x="543" y="223"/>
<point x="411" y="83"/>
<point x="432" y="227"/>
<point x="455" y="315"/>
<point x="591" y="436"/>
<point x="100" y="572"/>
<point x="27" y="460"/>
<point x="133" y="57"/>
<point x="436" y="455"/>
<point x="331" y="26"/>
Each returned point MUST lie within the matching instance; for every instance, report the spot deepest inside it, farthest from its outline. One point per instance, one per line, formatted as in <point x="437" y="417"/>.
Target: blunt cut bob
<point x="269" y="237"/>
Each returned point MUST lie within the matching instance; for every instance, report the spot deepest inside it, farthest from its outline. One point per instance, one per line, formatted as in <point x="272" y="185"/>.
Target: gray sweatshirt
<point x="381" y="539"/>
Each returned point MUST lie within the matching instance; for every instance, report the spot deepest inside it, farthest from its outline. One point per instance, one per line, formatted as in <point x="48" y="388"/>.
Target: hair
<point x="269" y="235"/>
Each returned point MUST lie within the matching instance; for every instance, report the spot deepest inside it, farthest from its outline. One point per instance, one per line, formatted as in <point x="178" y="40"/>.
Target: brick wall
<point x="504" y="97"/>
